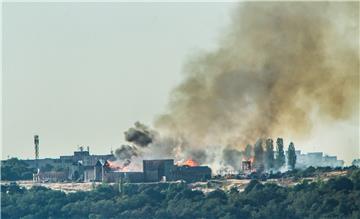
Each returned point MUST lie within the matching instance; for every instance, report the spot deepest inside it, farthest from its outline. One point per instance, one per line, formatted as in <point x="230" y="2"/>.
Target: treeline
<point x="266" y="157"/>
<point x="15" y="169"/>
<point x="336" y="198"/>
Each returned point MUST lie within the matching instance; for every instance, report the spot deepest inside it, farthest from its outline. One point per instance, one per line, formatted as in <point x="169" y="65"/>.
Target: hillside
<point x="335" y="196"/>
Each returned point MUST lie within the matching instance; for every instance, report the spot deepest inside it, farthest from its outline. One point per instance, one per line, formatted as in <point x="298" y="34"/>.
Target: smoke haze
<point x="278" y="66"/>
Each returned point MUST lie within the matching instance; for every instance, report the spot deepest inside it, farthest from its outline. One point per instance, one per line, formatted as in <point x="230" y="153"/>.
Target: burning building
<point x="190" y="171"/>
<point x="107" y="171"/>
<point x="153" y="171"/>
<point x="157" y="170"/>
<point x="246" y="166"/>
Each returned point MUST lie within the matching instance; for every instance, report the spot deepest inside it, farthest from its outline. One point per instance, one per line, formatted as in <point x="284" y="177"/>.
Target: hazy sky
<point x="81" y="74"/>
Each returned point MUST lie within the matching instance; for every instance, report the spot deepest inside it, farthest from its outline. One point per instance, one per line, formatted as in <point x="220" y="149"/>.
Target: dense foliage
<point x="280" y="154"/>
<point x="269" y="154"/>
<point x="291" y="156"/>
<point x="336" y="198"/>
<point x="15" y="169"/>
<point x="259" y="156"/>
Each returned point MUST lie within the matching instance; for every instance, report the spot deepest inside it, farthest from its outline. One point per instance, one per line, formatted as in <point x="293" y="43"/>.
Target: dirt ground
<point x="211" y="185"/>
<point x="63" y="186"/>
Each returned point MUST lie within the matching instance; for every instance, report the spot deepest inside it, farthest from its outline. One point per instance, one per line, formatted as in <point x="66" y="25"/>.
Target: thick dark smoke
<point x="125" y="153"/>
<point x="232" y="157"/>
<point x="198" y="155"/>
<point x="140" y="135"/>
<point x="277" y="66"/>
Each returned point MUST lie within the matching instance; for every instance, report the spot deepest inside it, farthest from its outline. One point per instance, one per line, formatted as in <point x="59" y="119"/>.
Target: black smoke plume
<point x="125" y="153"/>
<point x="140" y="135"/>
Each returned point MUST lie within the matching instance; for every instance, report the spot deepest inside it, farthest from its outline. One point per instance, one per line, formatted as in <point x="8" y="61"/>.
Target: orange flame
<point x="251" y="159"/>
<point x="190" y="162"/>
<point x="125" y="169"/>
<point x="113" y="165"/>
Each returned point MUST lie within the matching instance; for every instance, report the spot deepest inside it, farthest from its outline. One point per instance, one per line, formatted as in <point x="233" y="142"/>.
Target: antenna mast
<point x="36" y="142"/>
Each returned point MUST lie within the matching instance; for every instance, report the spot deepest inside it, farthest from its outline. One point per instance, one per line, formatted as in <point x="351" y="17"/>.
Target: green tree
<point x="15" y="169"/>
<point x="280" y="155"/>
<point x="248" y="151"/>
<point x="259" y="156"/>
<point x="337" y="197"/>
<point x="47" y="167"/>
<point x="269" y="154"/>
<point x="291" y="156"/>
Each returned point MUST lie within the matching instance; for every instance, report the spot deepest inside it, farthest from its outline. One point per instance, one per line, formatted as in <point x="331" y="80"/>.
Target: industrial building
<point x="356" y="162"/>
<point x="153" y="171"/>
<point x="165" y="170"/>
<point x="81" y="156"/>
<point x="192" y="174"/>
<point x="316" y="159"/>
<point x="101" y="172"/>
<point x="158" y="170"/>
<point x="85" y="167"/>
<point x="74" y="167"/>
<point x="51" y="176"/>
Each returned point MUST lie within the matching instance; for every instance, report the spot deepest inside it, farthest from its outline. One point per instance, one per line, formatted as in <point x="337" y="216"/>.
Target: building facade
<point x="316" y="159"/>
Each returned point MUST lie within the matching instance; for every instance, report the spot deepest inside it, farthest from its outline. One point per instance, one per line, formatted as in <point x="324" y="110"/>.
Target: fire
<point x="190" y="162"/>
<point x="125" y="169"/>
<point x="114" y="166"/>
<point x="251" y="159"/>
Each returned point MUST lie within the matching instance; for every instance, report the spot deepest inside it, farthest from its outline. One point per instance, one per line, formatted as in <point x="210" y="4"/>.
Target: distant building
<point x="356" y="162"/>
<point x="192" y="174"/>
<point x="77" y="165"/>
<point x="82" y="166"/>
<point x="89" y="173"/>
<point x="153" y="171"/>
<point x="316" y="159"/>
<point x="65" y="161"/>
<point x="131" y="177"/>
<point x="156" y="170"/>
<point x="246" y="166"/>
<point x="165" y="170"/>
<point x="51" y="176"/>
<point x="101" y="172"/>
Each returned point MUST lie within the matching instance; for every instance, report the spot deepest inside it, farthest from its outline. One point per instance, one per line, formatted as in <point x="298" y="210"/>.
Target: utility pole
<point x="121" y="186"/>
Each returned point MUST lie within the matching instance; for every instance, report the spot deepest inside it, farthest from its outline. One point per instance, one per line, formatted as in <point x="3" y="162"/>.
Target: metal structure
<point x="154" y="170"/>
<point x="246" y="166"/>
<point x="36" y="142"/>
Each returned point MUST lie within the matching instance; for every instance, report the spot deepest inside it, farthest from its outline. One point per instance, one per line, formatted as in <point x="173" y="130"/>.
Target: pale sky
<point x="83" y="73"/>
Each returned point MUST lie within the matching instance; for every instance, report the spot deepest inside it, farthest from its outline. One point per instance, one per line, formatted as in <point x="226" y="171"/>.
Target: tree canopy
<point x="15" y="169"/>
<point x="280" y="154"/>
<point x="291" y="156"/>
<point x="338" y="197"/>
